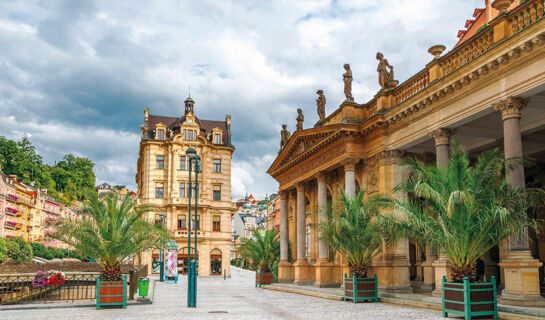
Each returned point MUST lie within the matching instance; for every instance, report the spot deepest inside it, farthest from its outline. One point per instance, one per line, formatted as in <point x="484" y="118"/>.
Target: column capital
<point x="442" y="136"/>
<point x="283" y="194"/>
<point x="320" y="176"/>
<point x="510" y="107"/>
<point x="387" y="157"/>
<point x="349" y="164"/>
<point x="300" y="186"/>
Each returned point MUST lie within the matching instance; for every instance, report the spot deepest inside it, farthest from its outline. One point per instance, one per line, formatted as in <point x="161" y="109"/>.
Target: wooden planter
<point x="360" y="289"/>
<point x="264" y="278"/>
<point x="470" y="299"/>
<point x="111" y="293"/>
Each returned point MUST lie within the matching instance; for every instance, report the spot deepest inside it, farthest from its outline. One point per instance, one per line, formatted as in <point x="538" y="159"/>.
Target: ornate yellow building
<point x="489" y="91"/>
<point x="162" y="179"/>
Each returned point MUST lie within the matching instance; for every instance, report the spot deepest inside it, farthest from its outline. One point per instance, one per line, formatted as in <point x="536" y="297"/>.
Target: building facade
<point x="52" y="210"/>
<point x="162" y="178"/>
<point x="8" y="207"/>
<point x="488" y="91"/>
<point x="25" y="204"/>
<point x="273" y="212"/>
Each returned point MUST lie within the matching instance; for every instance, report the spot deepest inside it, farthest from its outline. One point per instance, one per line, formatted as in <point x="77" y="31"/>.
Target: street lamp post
<point x="192" y="268"/>
<point x="161" y="253"/>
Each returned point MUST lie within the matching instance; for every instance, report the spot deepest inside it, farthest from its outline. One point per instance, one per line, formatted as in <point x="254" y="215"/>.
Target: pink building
<point x="52" y="212"/>
<point x="8" y="207"/>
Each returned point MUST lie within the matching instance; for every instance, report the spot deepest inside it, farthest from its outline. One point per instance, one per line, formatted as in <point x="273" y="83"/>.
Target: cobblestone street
<point x="234" y="298"/>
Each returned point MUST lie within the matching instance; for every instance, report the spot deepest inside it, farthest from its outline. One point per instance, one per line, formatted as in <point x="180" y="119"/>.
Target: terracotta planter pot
<point x="111" y="293"/>
<point x="470" y="299"/>
<point x="263" y="278"/>
<point x="360" y="289"/>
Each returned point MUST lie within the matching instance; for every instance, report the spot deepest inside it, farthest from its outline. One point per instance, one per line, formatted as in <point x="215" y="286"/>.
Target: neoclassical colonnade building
<point x="488" y="91"/>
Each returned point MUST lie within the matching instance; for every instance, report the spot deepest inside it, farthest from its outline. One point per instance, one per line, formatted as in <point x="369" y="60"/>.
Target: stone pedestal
<point x="284" y="272"/>
<point x="303" y="273"/>
<point x="324" y="274"/>
<point x="428" y="283"/>
<point x="441" y="268"/>
<point x="393" y="275"/>
<point x="521" y="280"/>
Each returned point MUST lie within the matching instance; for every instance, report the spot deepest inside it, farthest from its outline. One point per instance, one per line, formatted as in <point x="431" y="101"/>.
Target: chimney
<point x="228" y="121"/>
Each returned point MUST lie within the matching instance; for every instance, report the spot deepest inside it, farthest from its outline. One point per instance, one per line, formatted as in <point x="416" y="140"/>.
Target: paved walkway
<point x="234" y="298"/>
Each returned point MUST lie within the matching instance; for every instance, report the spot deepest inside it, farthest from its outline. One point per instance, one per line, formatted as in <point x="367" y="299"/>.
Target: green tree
<point x="465" y="209"/>
<point x="356" y="230"/>
<point x="263" y="250"/>
<point x="110" y="233"/>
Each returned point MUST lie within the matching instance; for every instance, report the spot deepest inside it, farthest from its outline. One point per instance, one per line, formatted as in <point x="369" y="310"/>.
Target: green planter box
<point x="264" y="278"/>
<point x="111" y="293"/>
<point x="470" y="299"/>
<point x="360" y="289"/>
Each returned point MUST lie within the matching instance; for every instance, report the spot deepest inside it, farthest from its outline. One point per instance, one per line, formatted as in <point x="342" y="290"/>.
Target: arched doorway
<point x="183" y="262"/>
<point x="215" y="262"/>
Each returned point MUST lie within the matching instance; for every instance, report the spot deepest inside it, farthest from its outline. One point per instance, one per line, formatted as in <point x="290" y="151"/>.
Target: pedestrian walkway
<point x="233" y="298"/>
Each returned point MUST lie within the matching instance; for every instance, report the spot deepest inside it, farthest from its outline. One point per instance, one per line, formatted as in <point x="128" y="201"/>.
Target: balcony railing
<point x="412" y="86"/>
<point x="10" y="224"/>
<point x="11" y="211"/>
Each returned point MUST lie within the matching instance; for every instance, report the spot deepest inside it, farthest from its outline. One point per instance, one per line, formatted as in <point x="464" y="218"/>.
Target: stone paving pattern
<point x="238" y="297"/>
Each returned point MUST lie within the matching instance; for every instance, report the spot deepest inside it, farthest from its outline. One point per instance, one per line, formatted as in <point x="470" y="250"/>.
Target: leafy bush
<point x="3" y="250"/>
<point x="18" y="250"/>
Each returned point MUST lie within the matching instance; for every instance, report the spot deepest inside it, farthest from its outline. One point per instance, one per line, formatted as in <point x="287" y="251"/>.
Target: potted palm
<point x="355" y="229"/>
<point x="465" y="209"/>
<point x="264" y="252"/>
<point x="110" y="232"/>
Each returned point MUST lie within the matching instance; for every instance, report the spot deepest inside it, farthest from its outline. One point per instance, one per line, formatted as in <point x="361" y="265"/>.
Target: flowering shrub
<point x="51" y="278"/>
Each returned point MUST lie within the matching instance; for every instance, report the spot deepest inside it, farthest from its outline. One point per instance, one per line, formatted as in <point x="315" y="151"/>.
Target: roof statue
<point x="385" y="77"/>
<point x="300" y="118"/>
<point x="284" y="136"/>
<point x="347" y="78"/>
<point x="320" y="104"/>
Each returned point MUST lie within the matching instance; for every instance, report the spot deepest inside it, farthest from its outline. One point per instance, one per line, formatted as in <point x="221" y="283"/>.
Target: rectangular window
<point x="182" y="162"/>
<point x="216" y="193"/>
<point x="189" y="135"/>
<point x="160" y="163"/>
<point x="185" y="134"/>
<point x="159" y="190"/>
<point x="181" y="222"/>
<point x="217" y="138"/>
<point x="160" y="134"/>
<point x="216" y="223"/>
<point x="217" y="165"/>
<point x="182" y="190"/>
<point x="198" y="223"/>
<point x="195" y="135"/>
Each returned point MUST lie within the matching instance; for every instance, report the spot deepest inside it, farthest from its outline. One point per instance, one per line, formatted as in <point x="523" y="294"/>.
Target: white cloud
<point x="75" y="74"/>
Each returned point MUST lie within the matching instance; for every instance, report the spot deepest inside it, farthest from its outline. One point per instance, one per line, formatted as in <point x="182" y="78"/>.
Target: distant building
<point x="273" y="212"/>
<point x="8" y="207"/>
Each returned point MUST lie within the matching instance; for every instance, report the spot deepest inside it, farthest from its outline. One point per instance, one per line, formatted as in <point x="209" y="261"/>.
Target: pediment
<point x="300" y="142"/>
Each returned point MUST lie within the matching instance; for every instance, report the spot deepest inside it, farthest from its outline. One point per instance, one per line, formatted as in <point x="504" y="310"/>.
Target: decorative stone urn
<point x="436" y="50"/>
<point x="502" y="5"/>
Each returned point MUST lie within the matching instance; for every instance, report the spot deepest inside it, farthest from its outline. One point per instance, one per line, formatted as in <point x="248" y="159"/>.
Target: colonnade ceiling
<point x="484" y="130"/>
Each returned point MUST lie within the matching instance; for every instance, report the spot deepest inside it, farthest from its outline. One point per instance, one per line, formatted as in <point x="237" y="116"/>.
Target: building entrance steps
<point x="409" y="300"/>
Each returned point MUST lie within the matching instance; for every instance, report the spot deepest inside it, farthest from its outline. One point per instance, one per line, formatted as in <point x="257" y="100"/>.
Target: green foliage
<point x="73" y="176"/>
<point x="3" y="250"/>
<point x="111" y="233"/>
<point x="263" y="252"/>
<point x="16" y="250"/>
<point x="465" y="209"/>
<point x="355" y="229"/>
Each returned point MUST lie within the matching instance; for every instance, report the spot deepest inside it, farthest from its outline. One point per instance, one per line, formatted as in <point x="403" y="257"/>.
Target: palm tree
<point x="110" y="233"/>
<point x="263" y="250"/>
<point x="465" y="209"/>
<point x="355" y="229"/>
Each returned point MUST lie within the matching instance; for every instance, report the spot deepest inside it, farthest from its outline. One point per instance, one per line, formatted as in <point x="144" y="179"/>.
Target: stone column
<point x="441" y="266"/>
<point x="284" y="267"/>
<point x="521" y="270"/>
<point x="323" y="267"/>
<point x="302" y="271"/>
<point x="428" y="283"/>
<point x="323" y="252"/>
<point x="349" y="176"/>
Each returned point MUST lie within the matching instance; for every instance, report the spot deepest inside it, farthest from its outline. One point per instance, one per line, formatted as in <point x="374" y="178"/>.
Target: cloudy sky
<point x="75" y="76"/>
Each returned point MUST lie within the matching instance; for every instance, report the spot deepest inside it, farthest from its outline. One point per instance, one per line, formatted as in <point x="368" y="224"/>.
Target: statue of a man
<point x="284" y="136"/>
<point x="347" y="78"/>
<point x="300" y="118"/>
<point x="385" y="77"/>
<point x="320" y="104"/>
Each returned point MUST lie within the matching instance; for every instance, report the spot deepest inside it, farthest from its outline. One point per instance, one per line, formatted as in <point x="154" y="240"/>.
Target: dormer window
<point x="160" y="134"/>
<point x="217" y="138"/>
<point x="190" y="134"/>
